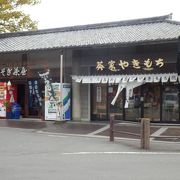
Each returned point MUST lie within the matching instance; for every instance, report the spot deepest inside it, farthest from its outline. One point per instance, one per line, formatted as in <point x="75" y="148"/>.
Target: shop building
<point x="138" y="58"/>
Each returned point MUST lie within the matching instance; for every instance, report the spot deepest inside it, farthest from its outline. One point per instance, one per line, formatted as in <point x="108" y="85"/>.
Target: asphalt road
<point x="28" y="155"/>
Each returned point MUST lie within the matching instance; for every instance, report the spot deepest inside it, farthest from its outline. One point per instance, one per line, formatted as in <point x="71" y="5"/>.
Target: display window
<point x="152" y="101"/>
<point x="170" y="104"/>
<point x="158" y="102"/>
<point x="133" y="112"/>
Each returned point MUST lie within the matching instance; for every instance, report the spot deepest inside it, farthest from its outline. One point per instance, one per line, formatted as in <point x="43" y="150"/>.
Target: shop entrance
<point x="21" y="94"/>
<point x="117" y="110"/>
<point x="29" y="104"/>
<point x="133" y="111"/>
<point x="101" y="102"/>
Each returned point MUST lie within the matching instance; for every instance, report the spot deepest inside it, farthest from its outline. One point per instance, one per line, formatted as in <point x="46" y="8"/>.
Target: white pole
<point x="61" y="68"/>
<point x="61" y="85"/>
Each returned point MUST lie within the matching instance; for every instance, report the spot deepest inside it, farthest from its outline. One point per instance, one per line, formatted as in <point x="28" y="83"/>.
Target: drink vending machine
<point x="58" y="107"/>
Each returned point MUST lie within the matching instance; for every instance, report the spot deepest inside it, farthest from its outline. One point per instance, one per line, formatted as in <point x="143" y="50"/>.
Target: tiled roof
<point x="123" y="32"/>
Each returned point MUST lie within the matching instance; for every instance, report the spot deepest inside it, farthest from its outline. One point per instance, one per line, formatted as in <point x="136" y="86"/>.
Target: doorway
<point x="102" y="96"/>
<point x="117" y="110"/>
<point x="21" y="91"/>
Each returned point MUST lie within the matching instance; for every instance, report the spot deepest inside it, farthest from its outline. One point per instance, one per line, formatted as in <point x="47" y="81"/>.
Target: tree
<point x="13" y="19"/>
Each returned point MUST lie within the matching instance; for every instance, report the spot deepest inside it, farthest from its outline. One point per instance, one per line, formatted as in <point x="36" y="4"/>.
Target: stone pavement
<point x="96" y="129"/>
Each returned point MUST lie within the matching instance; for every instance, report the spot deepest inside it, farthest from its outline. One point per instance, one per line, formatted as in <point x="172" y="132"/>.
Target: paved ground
<point x="96" y="129"/>
<point x="30" y="155"/>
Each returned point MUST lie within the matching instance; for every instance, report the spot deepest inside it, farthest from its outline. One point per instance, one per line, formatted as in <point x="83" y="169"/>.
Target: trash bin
<point x="16" y="111"/>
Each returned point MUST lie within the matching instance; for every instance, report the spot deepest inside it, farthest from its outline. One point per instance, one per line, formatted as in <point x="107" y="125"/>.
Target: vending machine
<point x="58" y="102"/>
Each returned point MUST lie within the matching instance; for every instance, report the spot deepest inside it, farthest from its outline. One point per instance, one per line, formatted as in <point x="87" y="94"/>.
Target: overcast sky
<point x="61" y="13"/>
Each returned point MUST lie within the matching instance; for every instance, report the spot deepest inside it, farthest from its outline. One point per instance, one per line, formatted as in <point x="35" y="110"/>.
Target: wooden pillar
<point x="145" y="133"/>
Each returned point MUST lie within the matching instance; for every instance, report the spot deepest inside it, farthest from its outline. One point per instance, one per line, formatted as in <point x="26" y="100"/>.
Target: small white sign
<point x="98" y="94"/>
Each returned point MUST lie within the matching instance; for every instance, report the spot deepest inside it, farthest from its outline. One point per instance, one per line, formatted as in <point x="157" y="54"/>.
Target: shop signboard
<point x="120" y="65"/>
<point x="15" y="71"/>
<point x="54" y="109"/>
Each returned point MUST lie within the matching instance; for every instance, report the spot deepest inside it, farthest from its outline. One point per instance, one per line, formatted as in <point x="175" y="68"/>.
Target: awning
<point x="116" y="79"/>
<point x="129" y="82"/>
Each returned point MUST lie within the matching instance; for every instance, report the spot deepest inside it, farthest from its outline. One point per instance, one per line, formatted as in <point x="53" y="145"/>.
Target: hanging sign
<point x="78" y="79"/>
<point x="34" y="95"/>
<point x="48" y="85"/>
<point x="140" y="78"/>
<point x="173" y="77"/>
<point x="118" y="79"/>
<point x="125" y="79"/>
<point x="120" y="88"/>
<point x="97" y="79"/>
<point x="112" y="80"/>
<point x="157" y="78"/>
<point x="165" y="78"/>
<point x="149" y="78"/>
<point x="132" y="78"/>
<point x="51" y="103"/>
<point x="104" y="80"/>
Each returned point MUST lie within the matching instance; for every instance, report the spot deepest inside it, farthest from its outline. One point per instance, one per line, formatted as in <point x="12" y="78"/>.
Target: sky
<point x="62" y="13"/>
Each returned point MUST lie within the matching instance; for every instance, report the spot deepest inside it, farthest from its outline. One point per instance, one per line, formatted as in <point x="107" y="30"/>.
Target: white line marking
<point x="52" y="135"/>
<point x="128" y="153"/>
<point x="159" y="131"/>
<point x="99" y="130"/>
<point x="102" y="137"/>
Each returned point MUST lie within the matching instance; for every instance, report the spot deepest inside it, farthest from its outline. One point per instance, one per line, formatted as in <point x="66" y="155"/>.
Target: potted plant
<point x="7" y="104"/>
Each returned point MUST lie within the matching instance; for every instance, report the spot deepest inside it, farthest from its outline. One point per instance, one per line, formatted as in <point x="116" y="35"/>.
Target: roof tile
<point x="100" y="34"/>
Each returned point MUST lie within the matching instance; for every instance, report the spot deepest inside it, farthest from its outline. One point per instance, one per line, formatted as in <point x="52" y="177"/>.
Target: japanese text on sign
<point x="16" y="71"/>
<point x="134" y="63"/>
